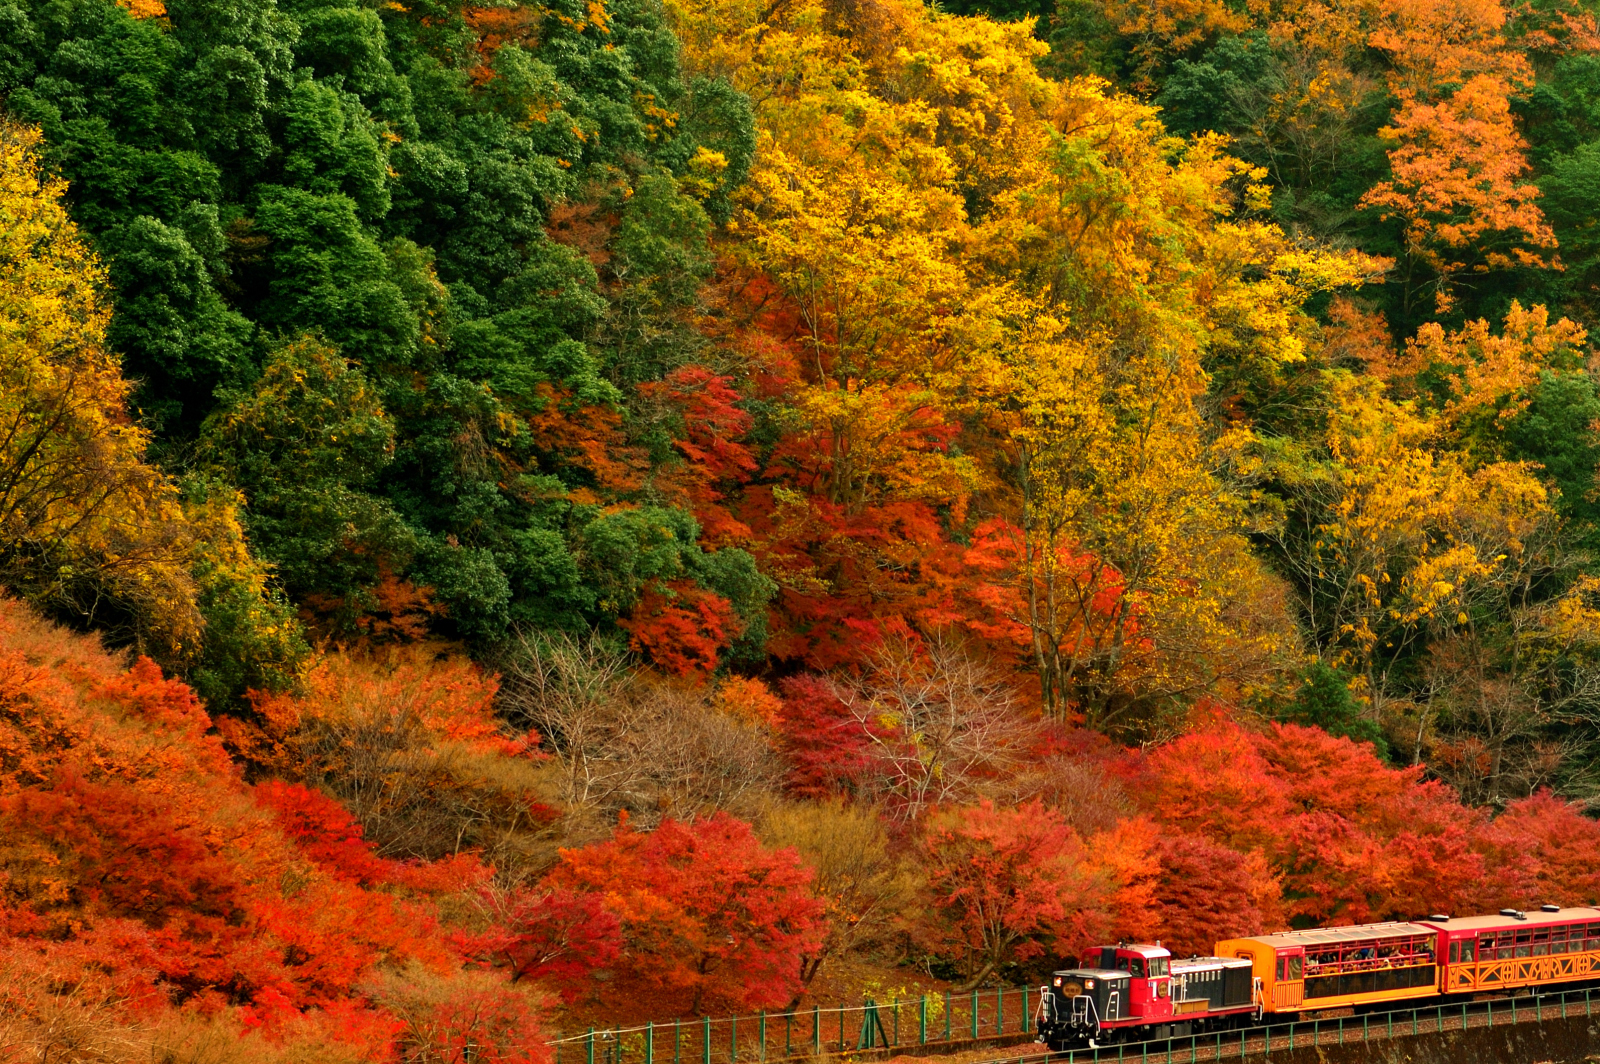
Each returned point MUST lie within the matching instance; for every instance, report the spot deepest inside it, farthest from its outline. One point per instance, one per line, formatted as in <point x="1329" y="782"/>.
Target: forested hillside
<point x="519" y="516"/>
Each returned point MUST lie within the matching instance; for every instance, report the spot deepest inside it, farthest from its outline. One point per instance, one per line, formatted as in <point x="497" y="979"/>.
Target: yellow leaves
<point x="1396" y="503"/>
<point x="82" y="517"/>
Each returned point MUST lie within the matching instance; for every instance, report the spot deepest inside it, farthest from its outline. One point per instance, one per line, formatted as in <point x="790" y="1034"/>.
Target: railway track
<point x="1331" y="1031"/>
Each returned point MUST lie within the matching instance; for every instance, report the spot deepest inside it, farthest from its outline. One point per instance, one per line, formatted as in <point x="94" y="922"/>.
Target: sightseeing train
<point x="1127" y="992"/>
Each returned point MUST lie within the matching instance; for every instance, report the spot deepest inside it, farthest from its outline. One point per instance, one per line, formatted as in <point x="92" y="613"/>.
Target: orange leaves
<point x="588" y="438"/>
<point x="1455" y="180"/>
<point x="1487" y="373"/>
<point x="449" y="697"/>
<point x="1459" y="158"/>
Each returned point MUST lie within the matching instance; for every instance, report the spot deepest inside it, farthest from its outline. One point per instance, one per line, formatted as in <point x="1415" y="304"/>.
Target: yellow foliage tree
<point x="86" y="524"/>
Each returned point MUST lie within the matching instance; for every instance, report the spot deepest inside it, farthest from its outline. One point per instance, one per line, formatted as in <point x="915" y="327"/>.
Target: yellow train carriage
<point x="1336" y="967"/>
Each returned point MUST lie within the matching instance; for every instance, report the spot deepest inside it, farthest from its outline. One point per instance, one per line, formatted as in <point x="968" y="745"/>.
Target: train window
<point x="1159" y="966"/>
<point x="1486" y="946"/>
<point x="1296" y="965"/>
<point x="1133" y="966"/>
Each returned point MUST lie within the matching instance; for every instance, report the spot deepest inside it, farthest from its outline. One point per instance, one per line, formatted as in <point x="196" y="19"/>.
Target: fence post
<point x="894" y="1003"/>
<point x="841" y="1029"/>
<point x="1000" y="1010"/>
<point x="788" y="1032"/>
<point x="589" y="1054"/>
<point x="677" y="1040"/>
<point x="922" y="1021"/>
<point x="816" y="1029"/>
<point x="974" y="1015"/>
<point x="705" y="1042"/>
<point x="947" y="1015"/>
<point x="763" y="1034"/>
<point x="733" y="1039"/>
<point x="1023" y="992"/>
<point x="650" y="1043"/>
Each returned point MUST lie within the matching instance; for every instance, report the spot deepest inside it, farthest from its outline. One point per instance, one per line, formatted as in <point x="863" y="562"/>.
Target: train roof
<point x="1095" y="973"/>
<point x="1191" y="964"/>
<point x="1323" y="936"/>
<point x="1144" y="949"/>
<point x="1529" y="919"/>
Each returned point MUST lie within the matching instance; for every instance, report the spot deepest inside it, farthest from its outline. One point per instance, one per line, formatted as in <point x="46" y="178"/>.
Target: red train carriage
<point x="1513" y="949"/>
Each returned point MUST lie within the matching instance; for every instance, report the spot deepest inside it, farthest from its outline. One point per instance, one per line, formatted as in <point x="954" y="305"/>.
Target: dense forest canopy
<point x="1129" y="468"/>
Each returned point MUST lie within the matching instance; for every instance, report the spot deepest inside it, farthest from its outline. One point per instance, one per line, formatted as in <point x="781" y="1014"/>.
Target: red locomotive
<point x="1139" y="991"/>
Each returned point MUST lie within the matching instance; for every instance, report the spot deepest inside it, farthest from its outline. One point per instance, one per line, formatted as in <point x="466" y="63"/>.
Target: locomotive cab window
<point x="1160" y="966"/>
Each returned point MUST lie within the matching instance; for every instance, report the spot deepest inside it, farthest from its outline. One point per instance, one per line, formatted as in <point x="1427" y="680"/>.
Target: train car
<point x="1140" y="989"/>
<point x="1483" y="954"/>
<point x="1212" y="986"/>
<point x="1339" y="967"/>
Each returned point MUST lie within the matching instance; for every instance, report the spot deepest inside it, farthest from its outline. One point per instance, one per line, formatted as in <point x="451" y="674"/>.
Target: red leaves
<point x="1011" y="884"/>
<point x="682" y="627"/>
<point x="712" y="919"/>
<point x="1353" y="839"/>
<point x="324" y="831"/>
<point x="1542" y="850"/>
<point x="558" y="937"/>
<point x="126" y="852"/>
<point x="1208" y="892"/>
<point x="822" y="741"/>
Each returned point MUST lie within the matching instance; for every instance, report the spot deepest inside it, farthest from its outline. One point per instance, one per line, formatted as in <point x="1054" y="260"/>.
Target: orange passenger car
<point x="1336" y="967"/>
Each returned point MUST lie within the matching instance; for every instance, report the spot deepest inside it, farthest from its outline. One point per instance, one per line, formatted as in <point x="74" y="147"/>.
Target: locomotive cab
<point x="1150" y="978"/>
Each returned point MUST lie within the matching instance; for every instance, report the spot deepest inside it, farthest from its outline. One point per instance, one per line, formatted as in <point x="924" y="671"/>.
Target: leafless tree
<point x="939" y="721"/>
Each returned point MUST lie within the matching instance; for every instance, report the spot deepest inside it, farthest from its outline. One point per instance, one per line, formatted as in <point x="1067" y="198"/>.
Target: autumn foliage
<point x="524" y="517"/>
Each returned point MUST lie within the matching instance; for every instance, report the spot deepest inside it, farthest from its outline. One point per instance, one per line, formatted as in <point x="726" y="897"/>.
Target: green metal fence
<point x="926" y="1020"/>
